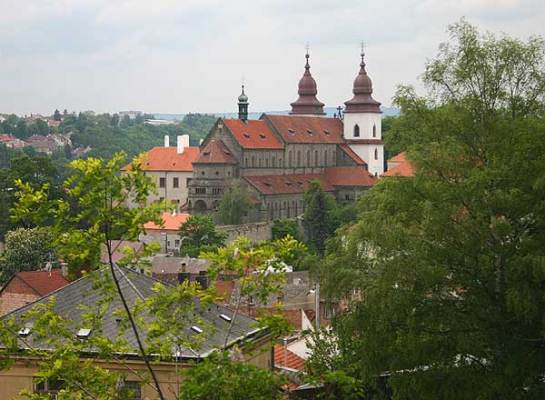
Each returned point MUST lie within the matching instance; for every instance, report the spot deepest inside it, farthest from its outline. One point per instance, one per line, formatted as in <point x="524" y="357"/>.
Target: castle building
<point x="277" y="156"/>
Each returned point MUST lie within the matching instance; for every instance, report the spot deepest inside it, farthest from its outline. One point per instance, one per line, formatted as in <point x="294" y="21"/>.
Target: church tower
<point x="307" y="103"/>
<point x="243" y="106"/>
<point x="362" y="123"/>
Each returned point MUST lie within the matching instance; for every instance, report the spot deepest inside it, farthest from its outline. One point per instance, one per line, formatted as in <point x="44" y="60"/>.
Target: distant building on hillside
<point x="277" y="156"/>
<point x="170" y="168"/>
<point x="130" y="114"/>
<point x="12" y="142"/>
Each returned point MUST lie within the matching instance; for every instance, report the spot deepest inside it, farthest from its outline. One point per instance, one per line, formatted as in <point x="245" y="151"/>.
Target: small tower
<point x="243" y="106"/>
<point x="307" y="103"/>
<point x="362" y="122"/>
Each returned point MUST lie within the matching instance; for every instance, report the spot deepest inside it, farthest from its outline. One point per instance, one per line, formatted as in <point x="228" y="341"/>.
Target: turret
<point x="243" y="106"/>
<point x="307" y="103"/>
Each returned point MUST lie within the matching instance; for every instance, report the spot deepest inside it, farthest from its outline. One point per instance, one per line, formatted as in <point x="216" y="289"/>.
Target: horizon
<point x="192" y="57"/>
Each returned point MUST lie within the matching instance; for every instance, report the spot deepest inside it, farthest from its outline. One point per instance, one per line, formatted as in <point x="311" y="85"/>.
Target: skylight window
<point x="246" y="135"/>
<point x="326" y="131"/>
<point x="262" y="136"/>
<point x="292" y="131"/>
<point x="225" y="317"/>
<point x="195" y="328"/>
<point x="309" y="131"/>
<point x="83" y="333"/>
<point x="24" y="332"/>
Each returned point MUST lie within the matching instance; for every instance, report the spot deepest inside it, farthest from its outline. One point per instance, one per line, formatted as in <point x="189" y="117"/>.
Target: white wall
<point x="365" y="121"/>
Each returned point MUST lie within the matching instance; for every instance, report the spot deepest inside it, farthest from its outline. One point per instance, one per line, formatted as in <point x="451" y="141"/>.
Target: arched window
<point x="253" y="161"/>
<point x="325" y="158"/>
<point x="273" y="161"/>
<point x="298" y="158"/>
<point x="374" y="130"/>
<point x="376" y="153"/>
<point x="316" y="161"/>
<point x="259" y="161"/>
<point x="356" y="131"/>
<point x="308" y="158"/>
<point x="290" y="160"/>
<point x="246" y="162"/>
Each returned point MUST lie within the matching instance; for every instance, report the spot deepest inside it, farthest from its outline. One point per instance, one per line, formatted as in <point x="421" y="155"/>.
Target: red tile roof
<point x="285" y="184"/>
<point x="168" y="159"/>
<point x="253" y="134"/>
<point x="400" y="157"/>
<point x="350" y="153"/>
<point x="286" y="358"/>
<point x="403" y="169"/>
<point x="38" y="282"/>
<point x="349" y="176"/>
<point x="171" y="222"/>
<point x="307" y="129"/>
<point x="215" y="152"/>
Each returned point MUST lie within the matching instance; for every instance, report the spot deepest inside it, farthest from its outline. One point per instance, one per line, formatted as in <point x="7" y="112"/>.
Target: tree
<point x="284" y="227"/>
<point x="220" y="378"/>
<point x="234" y="205"/>
<point x="448" y="264"/>
<point x="26" y="250"/>
<point x="318" y="216"/>
<point x="197" y="234"/>
<point x="57" y="115"/>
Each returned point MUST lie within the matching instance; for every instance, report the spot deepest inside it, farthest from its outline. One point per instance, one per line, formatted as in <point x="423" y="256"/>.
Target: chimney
<point x="200" y="141"/>
<point x="167" y="143"/>
<point x="182" y="143"/>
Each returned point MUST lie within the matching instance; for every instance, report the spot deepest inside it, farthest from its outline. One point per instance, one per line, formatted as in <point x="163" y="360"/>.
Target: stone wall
<point x="255" y="231"/>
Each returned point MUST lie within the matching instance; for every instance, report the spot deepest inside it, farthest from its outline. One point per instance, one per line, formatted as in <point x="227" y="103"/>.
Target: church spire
<point x="243" y="106"/>
<point x="307" y="103"/>
<point x="363" y="101"/>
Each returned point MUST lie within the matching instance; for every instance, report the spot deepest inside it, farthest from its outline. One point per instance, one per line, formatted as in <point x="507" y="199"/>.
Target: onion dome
<point x="307" y="103"/>
<point x="363" y="89"/>
<point x="243" y="106"/>
<point x="243" y="98"/>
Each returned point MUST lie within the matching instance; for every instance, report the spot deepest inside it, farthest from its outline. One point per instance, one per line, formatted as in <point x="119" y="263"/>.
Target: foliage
<point x="318" y="216"/>
<point x="219" y="377"/>
<point x="284" y="227"/>
<point x="198" y="233"/>
<point x="448" y="265"/>
<point x="26" y="250"/>
<point x="234" y="204"/>
<point x="287" y="250"/>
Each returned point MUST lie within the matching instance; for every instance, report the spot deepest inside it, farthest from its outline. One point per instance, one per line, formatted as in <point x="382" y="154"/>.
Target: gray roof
<point x="134" y="285"/>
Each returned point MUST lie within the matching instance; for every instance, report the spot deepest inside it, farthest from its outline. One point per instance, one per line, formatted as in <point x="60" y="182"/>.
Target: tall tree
<point x="234" y="205"/>
<point x="318" y="216"/>
<point x="449" y="264"/>
<point x="57" y="115"/>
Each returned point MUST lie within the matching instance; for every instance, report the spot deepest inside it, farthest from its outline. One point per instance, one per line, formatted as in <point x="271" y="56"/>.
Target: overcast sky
<point x="190" y="55"/>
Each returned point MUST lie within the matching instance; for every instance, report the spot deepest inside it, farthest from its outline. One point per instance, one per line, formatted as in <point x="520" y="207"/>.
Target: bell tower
<point x="362" y="122"/>
<point x="243" y="106"/>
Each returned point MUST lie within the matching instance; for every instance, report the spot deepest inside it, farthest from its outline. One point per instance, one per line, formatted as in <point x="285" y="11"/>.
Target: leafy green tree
<point x="284" y="227"/>
<point x="21" y="130"/>
<point x="26" y="250"/>
<point x="318" y="216"/>
<point x="57" y="115"/>
<point x="448" y="265"/>
<point x="198" y="233"/>
<point x="220" y="378"/>
<point x="234" y="205"/>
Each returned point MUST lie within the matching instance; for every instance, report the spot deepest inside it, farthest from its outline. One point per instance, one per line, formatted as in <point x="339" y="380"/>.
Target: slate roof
<point x="306" y="129"/>
<point x="215" y="152"/>
<point x="134" y="285"/>
<point x="253" y="134"/>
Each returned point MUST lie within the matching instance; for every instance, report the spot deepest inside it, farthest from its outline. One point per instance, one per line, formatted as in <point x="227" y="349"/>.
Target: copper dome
<point x="363" y="90"/>
<point x="307" y="103"/>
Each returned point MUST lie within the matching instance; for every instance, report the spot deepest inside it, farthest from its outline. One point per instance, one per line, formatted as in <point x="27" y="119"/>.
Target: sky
<point x="180" y="56"/>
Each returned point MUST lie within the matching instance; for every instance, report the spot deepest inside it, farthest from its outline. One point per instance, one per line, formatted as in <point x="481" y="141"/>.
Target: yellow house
<point x="241" y="332"/>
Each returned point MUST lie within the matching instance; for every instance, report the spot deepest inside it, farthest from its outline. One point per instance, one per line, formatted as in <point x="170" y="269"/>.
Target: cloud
<point x="181" y="56"/>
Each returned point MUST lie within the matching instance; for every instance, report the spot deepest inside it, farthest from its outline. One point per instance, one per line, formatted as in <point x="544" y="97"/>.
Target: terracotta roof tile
<point x="402" y="169"/>
<point x="285" y="184"/>
<point x="215" y="152"/>
<point x="168" y="159"/>
<point x="307" y="129"/>
<point x="352" y="154"/>
<point x="41" y="282"/>
<point x="286" y="358"/>
<point x="253" y="134"/>
<point x="171" y="222"/>
<point x="400" y="157"/>
<point x="349" y="176"/>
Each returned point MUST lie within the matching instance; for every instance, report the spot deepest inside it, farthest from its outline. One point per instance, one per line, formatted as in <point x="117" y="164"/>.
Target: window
<point x="290" y="161"/>
<point x="273" y="162"/>
<point x="347" y="196"/>
<point x="246" y="162"/>
<point x="162" y="182"/>
<point x="175" y="182"/>
<point x="376" y="154"/>
<point x="177" y="243"/>
<point x="216" y="191"/>
<point x="253" y="161"/>
<point x="228" y="173"/>
<point x="374" y="130"/>
<point x="200" y="190"/>
<point x="49" y="386"/>
<point x="202" y="173"/>
<point x="308" y="158"/>
<point x="298" y="158"/>
<point x="266" y="163"/>
<point x="325" y="158"/>
<point x="259" y="162"/>
<point x="131" y="390"/>
<point x="316" y="160"/>
<point x="356" y="131"/>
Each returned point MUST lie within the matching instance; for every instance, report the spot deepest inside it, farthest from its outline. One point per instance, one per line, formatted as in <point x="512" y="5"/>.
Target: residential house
<point x="12" y="142"/>
<point x="166" y="234"/>
<point x="399" y="165"/>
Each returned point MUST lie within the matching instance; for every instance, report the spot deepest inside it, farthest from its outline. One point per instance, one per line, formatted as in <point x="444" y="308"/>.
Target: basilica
<point x="277" y="156"/>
